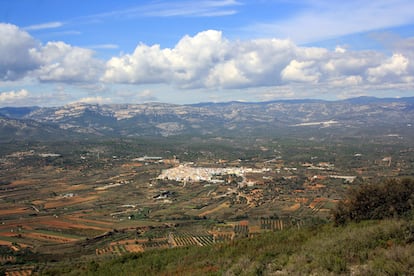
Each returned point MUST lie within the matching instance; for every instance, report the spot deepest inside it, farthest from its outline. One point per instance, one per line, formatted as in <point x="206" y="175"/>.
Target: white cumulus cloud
<point x="15" y="52"/>
<point x="13" y="96"/>
<point x="64" y="63"/>
<point x="21" y="55"/>
<point x="301" y="71"/>
<point x="204" y="60"/>
<point x="191" y="57"/>
<point x="94" y="100"/>
<point x="390" y="70"/>
<point x="208" y="60"/>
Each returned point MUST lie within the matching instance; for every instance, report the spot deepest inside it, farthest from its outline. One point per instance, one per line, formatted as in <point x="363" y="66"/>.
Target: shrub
<point x="391" y="198"/>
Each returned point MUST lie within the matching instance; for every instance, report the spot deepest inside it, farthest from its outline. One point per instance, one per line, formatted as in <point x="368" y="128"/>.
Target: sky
<point x="58" y="52"/>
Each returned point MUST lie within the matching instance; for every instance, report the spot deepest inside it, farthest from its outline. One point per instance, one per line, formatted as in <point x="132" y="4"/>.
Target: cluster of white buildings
<point x="187" y="173"/>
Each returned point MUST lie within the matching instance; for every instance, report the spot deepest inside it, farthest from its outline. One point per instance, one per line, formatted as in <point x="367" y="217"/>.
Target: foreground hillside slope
<point x="382" y="247"/>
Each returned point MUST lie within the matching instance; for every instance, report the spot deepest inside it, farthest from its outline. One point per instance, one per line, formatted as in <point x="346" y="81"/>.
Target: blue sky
<point x="56" y="52"/>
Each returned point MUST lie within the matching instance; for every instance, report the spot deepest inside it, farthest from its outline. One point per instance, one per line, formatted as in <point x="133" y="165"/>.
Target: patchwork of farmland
<point x="81" y="205"/>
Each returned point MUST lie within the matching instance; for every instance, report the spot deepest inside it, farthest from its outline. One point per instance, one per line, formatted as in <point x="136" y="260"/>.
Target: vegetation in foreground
<point x="377" y="247"/>
<point x="368" y="247"/>
<point x="390" y="199"/>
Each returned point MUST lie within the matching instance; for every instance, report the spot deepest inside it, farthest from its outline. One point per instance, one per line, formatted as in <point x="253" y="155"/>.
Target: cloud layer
<point x="13" y="96"/>
<point x="207" y="60"/>
<point x="15" y="56"/>
<point x="22" y="56"/>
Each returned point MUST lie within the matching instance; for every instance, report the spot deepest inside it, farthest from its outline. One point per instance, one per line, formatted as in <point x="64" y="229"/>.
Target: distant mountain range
<point x="230" y="118"/>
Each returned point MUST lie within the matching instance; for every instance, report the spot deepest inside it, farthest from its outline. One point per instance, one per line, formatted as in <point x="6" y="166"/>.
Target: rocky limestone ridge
<point x="131" y="120"/>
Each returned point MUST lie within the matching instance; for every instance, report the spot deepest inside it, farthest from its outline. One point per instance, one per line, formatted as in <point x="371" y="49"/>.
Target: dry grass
<point x="292" y="208"/>
<point x="63" y="202"/>
<point x="49" y="237"/>
<point x="224" y="205"/>
<point x="15" y="211"/>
